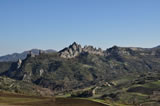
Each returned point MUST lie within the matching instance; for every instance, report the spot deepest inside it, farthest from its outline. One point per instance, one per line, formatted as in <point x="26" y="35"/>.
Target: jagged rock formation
<point x="72" y="51"/>
<point x="76" y="49"/>
<point x="92" y="50"/>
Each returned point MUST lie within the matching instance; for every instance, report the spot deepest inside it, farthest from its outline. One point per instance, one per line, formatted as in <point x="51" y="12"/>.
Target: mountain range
<point x="15" y="56"/>
<point x="117" y="75"/>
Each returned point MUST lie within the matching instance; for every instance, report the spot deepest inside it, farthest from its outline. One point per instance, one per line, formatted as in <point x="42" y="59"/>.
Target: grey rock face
<point x="119" y="51"/>
<point x="72" y="51"/>
<point x="27" y="77"/>
<point x="41" y="71"/>
<point x="76" y="49"/>
<point x="19" y="63"/>
<point x="92" y="50"/>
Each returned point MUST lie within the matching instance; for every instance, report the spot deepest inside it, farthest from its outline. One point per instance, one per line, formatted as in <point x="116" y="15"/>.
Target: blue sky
<point x="54" y="24"/>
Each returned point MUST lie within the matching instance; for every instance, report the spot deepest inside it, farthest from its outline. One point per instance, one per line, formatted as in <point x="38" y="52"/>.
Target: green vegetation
<point x="122" y="76"/>
<point x="23" y="87"/>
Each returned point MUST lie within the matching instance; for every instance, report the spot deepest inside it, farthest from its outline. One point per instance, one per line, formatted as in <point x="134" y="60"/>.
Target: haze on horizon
<point x="55" y="24"/>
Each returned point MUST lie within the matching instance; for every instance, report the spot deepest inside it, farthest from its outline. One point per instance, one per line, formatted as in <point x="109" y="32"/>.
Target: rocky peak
<point x="71" y="51"/>
<point x="75" y="49"/>
<point x="92" y="50"/>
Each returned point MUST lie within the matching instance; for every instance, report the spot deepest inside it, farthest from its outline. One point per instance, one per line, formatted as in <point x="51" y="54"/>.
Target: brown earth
<point x="63" y="102"/>
<point x="9" y="99"/>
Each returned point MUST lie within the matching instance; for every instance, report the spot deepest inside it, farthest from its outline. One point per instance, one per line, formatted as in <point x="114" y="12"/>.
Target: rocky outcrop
<point x="41" y="71"/>
<point x="27" y="77"/>
<point x="76" y="49"/>
<point x="19" y="63"/>
<point x="115" y="50"/>
<point x="71" y="52"/>
<point x="92" y="50"/>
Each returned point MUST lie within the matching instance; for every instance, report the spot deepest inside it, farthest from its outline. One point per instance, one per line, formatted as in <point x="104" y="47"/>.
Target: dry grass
<point x="9" y="99"/>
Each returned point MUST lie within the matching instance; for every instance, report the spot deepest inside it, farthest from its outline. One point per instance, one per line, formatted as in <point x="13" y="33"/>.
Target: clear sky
<point x="54" y="24"/>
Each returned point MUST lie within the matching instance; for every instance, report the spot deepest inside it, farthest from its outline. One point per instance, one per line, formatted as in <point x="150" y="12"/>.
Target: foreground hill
<point x="21" y="87"/>
<point x="110" y="75"/>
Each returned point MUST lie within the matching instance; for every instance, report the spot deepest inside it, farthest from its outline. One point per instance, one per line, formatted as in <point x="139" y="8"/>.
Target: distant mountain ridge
<point x="157" y="46"/>
<point x="15" y="56"/>
<point x="69" y="52"/>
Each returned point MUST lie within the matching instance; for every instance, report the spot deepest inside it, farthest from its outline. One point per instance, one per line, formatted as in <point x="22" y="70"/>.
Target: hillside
<point x="15" y="56"/>
<point x="110" y="75"/>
